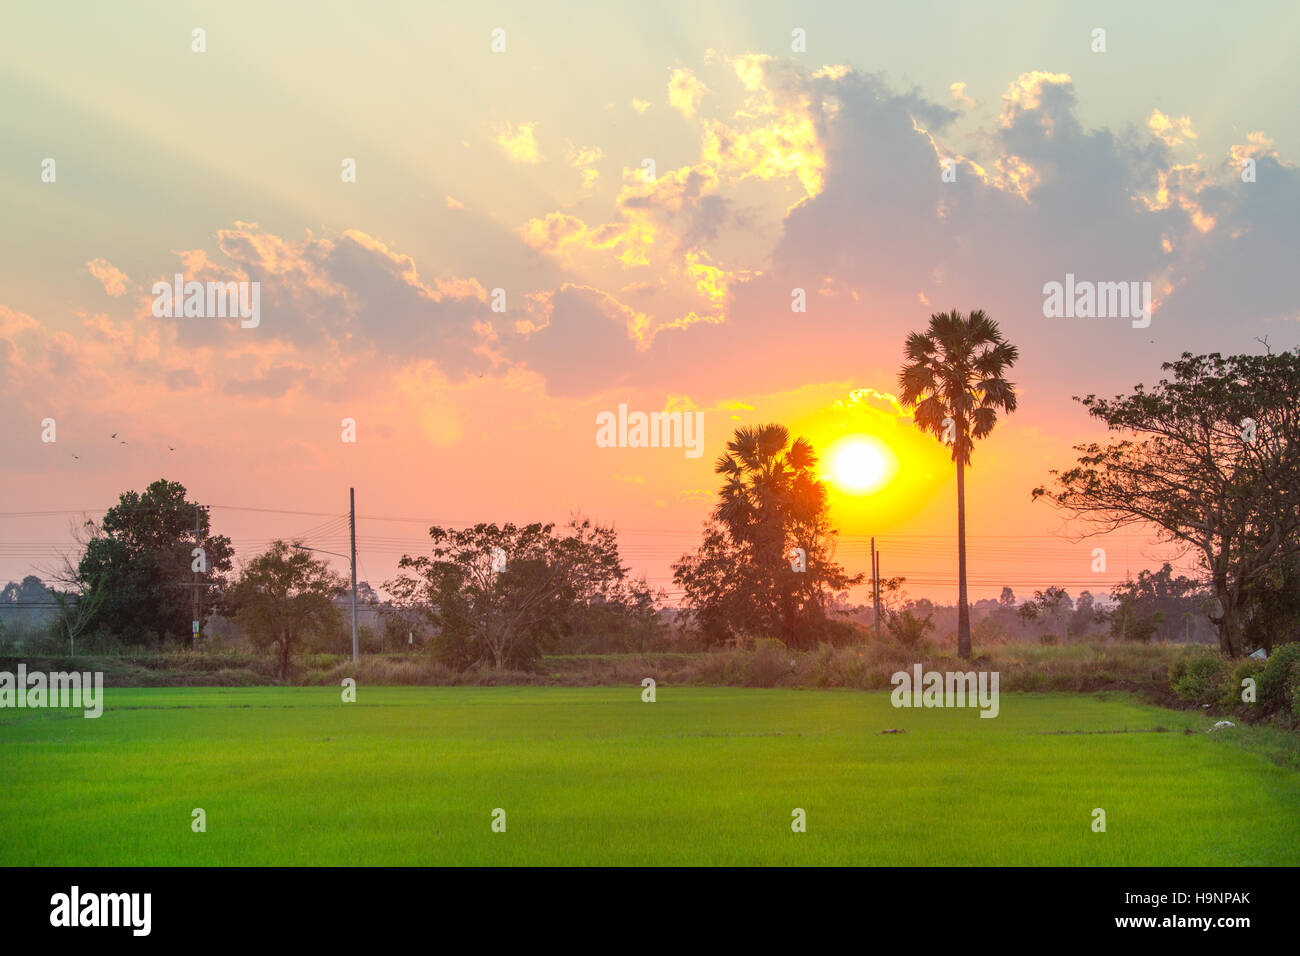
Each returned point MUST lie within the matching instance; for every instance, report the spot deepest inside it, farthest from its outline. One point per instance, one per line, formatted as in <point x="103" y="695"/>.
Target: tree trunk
<point x="963" y="612"/>
<point x="788" y="621"/>
<point x="1229" y="621"/>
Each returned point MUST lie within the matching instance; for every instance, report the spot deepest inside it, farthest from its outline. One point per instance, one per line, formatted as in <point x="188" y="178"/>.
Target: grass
<point x="1078" y="666"/>
<point x="411" y="775"/>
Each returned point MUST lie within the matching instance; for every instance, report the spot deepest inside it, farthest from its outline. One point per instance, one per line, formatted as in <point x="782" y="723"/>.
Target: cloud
<point x="584" y="160"/>
<point x="685" y="92"/>
<point x="338" y="299"/>
<point x="518" y="143"/>
<point x="272" y="382"/>
<point x="958" y="91"/>
<point x="824" y="180"/>
<point x="1256" y="145"/>
<point x="640" y="106"/>
<point x="112" y="279"/>
<point x="879" y="239"/>
<point x="1028" y="94"/>
<point x="1171" y="131"/>
<point x="777" y="136"/>
<point x="586" y="342"/>
<point x="454" y="204"/>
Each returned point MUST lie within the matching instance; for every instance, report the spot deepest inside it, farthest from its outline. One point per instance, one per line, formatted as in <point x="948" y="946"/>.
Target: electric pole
<point x="352" y="558"/>
<point x="352" y="525"/>
<point x="194" y="603"/>
<point x="875" y="590"/>
<point x="199" y="559"/>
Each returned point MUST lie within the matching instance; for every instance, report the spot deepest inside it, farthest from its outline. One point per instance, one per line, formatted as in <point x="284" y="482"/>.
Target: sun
<point x="860" y="464"/>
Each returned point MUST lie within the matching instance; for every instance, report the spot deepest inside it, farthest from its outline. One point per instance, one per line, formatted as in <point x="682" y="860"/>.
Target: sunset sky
<point x="524" y="171"/>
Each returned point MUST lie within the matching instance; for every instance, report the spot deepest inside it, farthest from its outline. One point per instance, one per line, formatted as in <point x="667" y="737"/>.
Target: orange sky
<point x="699" y="220"/>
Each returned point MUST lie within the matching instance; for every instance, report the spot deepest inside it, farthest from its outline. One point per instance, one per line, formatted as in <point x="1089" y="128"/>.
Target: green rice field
<point x="412" y="775"/>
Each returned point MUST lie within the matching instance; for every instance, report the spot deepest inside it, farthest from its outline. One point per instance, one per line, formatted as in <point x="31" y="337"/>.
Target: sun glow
<point x="860" y="464"/>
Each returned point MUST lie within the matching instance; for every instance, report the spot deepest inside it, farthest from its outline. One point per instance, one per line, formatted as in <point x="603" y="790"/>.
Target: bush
<point x="1196" y="677"/>
<point x="1278" y="677"/>
<point x="767" y="663"/>
<point x="1230" y="692"/>
<point x="907" y="628"/>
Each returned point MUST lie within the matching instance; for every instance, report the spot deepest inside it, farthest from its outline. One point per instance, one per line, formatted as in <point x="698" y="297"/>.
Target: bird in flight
<point x="170" y="448"/>
<point x="114" y="435"/>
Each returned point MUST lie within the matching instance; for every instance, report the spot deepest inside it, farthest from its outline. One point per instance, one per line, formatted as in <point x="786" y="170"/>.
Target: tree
<point x="955" y="378"/>
<point x="26" y="607"/>
<point x="77" y="609"/>
<point x="32" y="590"/>
<point x="1052" y="608"/>
<point x="1274" y="603"/>
<point x="499" y="595"/>
<point x="142" y="554"/>
<point x="907" y="628"/>
<point x="82" y="596"/>
<point x="764" y="567"/>
<point x="281" y="596"/>
<point x="1213" y="463"/>
<point x="1086" y="614"/>
<point x="1156" y="598"/>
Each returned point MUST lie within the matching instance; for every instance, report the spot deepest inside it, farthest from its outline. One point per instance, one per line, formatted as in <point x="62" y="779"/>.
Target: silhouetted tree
<point x="281" y="596"/>
<point x="1213" y="463"/>
<point x="141" y="554"/>
<point x="765" y="567"/>
<point x="955" y="377"/>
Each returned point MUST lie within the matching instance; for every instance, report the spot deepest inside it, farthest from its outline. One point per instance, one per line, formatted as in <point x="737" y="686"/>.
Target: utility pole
<point x="880" y="591"/>
<point x="352" y="530"/>
<point x="194" y="586"/>
<point x="875" y="590"/>
<point x="194" y="602"/>
<point x="352" y="524"/>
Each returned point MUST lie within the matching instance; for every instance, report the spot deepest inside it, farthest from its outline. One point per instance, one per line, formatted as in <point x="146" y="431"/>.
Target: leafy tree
<point x="955" y="376"/>
<point x="283" y="595"/>
<point x="720" y="584"/>
<point x="141" y="555"/>
<point x="631" y="622"/>
<point x="1086" y="614"/>
<point x="402" y="627"/>
<point x="907" y="628"/>
<point x="988" y="630"/>
<point x="32" y="590"/>
<point x="747" y="579"/>
<point x="1212" y="461"/>
<point x="1273" y="601"/>
<point x="1052" y="608"/>
<point x="1144" y="606"/>
<point x="26" y="607"/>
<point x="499" y="595"/>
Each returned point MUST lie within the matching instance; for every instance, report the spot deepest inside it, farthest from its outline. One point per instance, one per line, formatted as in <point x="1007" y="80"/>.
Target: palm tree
<point x="770" y="481"/>
<point x="771" y="499"/>
<point x="954" y="378"/>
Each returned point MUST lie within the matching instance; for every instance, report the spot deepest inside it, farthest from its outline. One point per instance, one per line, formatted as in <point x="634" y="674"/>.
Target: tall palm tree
<point x="772" y="498"/>
<point x="954" y="376"/>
